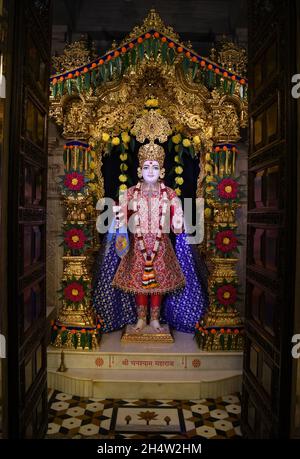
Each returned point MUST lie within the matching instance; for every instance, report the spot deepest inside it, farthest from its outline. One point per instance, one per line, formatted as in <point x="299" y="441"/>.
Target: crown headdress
<point x="152" y="126"/>
<point x="151" y="152"/>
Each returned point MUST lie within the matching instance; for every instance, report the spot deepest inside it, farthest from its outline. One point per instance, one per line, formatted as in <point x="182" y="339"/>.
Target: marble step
<point x="178" y="384"/>
<point x="183" y="354"/>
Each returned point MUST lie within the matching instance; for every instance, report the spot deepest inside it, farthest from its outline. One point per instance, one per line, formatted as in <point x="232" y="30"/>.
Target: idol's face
<point x="151" y="171"/>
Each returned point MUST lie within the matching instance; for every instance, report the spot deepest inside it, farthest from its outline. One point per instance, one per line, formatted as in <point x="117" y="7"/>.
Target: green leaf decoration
<point x="87" y="81"/>
<point x="210" y="78"/>
<point x="164" y="52"/>
<point x="89" y="340"/>
<point x="109" y="147"/>
<point x="229" y="342"/>
<point x="195" y="68"/>
<point x="103" y="72"/>
<point x="218" y="80"/>
<point x="122" y="147"/>
<point x="65" y="156"/>
<point x="79" y="83"/>
<point x="94" y="77"/>
<point x="141" y="51"/>
<point x="170" y="144"/>
<point x="148" y="43"/>
<point x="180" y="151"/>
<point x="232" y="88"/>
<point x="192" y="151"/>
<point x="110" y="69"/>
<point x="118" y="65"/>
<point x="75" y="340"/>
<point x="171" y="55"/>
<point x="54" y="90"/>
<point x="64" y="337"/>
<point x="61" y="88"/>
<point x="225" y="84"/>
<point x="126" y="61"/>
<point x="185" y="65"/>
<point x="155" y="47"/>
<point x="133" y="56"/>
<point x="222" y="341"/>
<point x="83" y="340"/>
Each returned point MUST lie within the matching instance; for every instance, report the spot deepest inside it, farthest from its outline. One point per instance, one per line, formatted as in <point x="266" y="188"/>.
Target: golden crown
<point x="151" y="152"/>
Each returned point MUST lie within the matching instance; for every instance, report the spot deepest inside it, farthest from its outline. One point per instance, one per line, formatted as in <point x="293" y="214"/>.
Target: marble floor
<point x="80" y="418"/>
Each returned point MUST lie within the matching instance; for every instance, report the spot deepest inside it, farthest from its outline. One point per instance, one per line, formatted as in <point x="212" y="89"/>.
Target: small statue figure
<point x="150" y="267"/>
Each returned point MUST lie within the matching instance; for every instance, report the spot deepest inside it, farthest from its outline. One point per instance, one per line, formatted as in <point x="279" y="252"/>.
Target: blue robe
<point x="180" y="309"/>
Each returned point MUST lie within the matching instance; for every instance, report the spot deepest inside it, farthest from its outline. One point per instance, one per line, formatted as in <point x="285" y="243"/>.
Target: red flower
<point x="74" y="181"/>
<point x="75" y="238"/>
<point x="74" y="292"/>
<point x="226" y="295"/>
<point x="227" y="188"/>
<point x="226" y="241"/>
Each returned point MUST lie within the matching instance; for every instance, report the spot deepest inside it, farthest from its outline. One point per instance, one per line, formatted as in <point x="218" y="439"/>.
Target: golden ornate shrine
<point x="97" y="101"/>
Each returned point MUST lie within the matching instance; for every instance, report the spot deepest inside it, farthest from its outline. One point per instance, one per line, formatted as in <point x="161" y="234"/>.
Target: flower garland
<point x="226" y="338"/>
<point x="76" y="336"/>
<point x="151" y="44"/>
<point x="149" y="280"/>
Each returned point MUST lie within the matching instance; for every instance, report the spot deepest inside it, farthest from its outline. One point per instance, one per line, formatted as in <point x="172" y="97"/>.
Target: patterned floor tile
<point x="78" y="417"/>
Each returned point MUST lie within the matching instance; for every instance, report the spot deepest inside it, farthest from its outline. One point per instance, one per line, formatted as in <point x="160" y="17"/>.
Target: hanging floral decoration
<point x="75" y="336"/>
<point x="149" y="45"/>
<point x="76" y="238"/>
<point x="228" y="337"/>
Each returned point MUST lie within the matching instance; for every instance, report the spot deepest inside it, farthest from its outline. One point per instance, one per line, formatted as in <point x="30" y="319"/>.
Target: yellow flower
<point x="207" y="157"/>
<point x="179" y="180"/>
<point x="105" y="137"/>
<point x="208" y="168"/>
<point x="207" y="212"/>
<point x="91" y="176"/>
<point x="209" y="178"/>
<point x="186" y="143"/>
<point x="155" y="103"/>
<point x="92" y="186"/>
<point x="93" y="154"/>
<point x="125" y="137"/>
<point x="92" y="165"/>
<point x="123" y="187"/>
<point x="123" y="178"/>
<point x="196" y="140"/>
<point x="178" y="191"/>
<point x="123" y="167"/>
<point x="176" y="139"/>
<point x="176" y="159"/>
<point x="151" y="103"/>
<point x="123" y="156"/>
<point x="115" y="141"/>
<point x="178" y="170"/>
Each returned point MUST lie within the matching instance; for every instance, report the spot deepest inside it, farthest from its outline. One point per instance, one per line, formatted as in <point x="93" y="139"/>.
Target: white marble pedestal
<point x="177" y="370"/>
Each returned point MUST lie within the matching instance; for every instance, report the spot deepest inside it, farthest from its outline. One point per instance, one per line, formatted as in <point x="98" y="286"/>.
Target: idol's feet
<point x="156" y="326"/>
<point x="141" y="323"/>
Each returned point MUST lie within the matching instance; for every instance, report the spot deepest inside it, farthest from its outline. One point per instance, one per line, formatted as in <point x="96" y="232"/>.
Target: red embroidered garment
<point x="167" y="270"/>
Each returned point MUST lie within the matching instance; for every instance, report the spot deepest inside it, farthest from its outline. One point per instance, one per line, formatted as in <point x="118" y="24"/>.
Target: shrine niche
<point x="98" y="103"/>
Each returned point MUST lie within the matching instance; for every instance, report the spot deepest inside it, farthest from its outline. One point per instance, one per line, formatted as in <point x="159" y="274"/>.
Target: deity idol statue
<point x="171" y="280"/>
<point x="150" y="268"/>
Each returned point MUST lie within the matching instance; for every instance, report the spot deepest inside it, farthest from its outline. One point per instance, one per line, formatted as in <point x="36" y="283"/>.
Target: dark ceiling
<point x="201" y="21"/>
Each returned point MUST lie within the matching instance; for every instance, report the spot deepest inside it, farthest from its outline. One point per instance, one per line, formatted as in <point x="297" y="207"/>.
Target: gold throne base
<point x="147" y="335"/>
